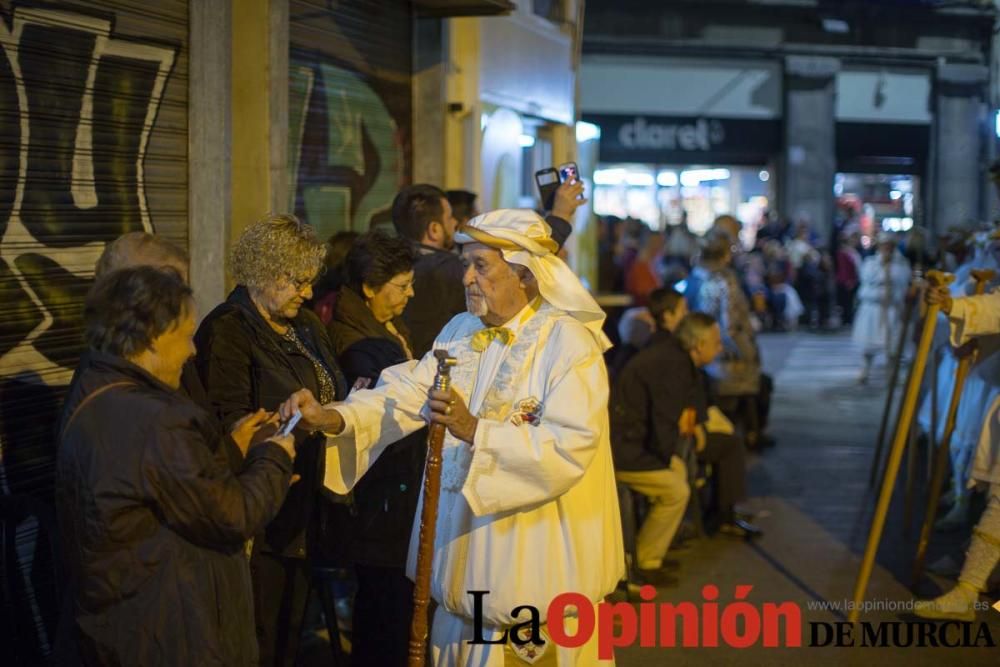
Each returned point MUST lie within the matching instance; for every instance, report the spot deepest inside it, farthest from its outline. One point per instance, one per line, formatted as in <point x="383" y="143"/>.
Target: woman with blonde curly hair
<point x="254" y="350"/>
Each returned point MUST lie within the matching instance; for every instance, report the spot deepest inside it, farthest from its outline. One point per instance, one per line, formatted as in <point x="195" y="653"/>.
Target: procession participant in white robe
<point x="528" y="505"/>
<point x="980" y="389"/>
<point x="970" y="317"/>
<point x="885" y="277"/>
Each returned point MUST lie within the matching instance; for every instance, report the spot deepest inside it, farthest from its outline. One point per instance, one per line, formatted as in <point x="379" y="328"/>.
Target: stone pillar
<point x="259" y="111"/>
<point x="209" y="177"/>
<point x="810" y="159"/>
<point x="429" y="100"/>
<point x="958" y="145"/>
<point x="463" y="132"/>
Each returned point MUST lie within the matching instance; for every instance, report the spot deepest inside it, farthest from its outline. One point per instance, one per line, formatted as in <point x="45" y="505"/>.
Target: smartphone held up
<point x="549" y="179"/>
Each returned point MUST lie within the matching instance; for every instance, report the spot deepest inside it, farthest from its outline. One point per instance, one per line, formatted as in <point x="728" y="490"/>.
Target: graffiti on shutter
<point x="349" y="111"/>
<point x="84" y="103"/>
<point x="77" y="106"/>
<point x="361" y="164"/>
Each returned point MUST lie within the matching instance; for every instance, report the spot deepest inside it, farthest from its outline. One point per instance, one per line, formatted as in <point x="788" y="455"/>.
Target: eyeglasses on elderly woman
<point x="301" y="283"/>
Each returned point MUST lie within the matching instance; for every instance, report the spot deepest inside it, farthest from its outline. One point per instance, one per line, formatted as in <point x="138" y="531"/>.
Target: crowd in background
<point x="689" y="397"/>
<point x="792" y="276"/>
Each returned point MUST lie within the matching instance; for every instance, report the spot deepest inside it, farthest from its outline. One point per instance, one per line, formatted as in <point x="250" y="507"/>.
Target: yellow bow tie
<point x="482" y="338"/>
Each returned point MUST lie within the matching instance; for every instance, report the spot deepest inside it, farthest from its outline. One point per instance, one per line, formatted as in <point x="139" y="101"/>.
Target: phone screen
<point x="568" y="172"/>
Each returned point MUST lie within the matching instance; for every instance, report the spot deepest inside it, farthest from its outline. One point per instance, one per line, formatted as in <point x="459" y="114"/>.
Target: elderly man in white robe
<point x="528" y="506"/>
<point x="971" y="317"/>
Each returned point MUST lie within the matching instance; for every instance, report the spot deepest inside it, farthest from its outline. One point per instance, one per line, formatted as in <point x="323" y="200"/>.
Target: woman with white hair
<point x="254" y="350"/>
<point x="885" y="277"/>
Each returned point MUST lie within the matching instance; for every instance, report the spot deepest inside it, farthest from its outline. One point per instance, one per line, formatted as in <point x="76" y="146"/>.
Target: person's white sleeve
<point x="516" y="466"/>
<point x="376" y="418"/>
<point x="973" y="316"/>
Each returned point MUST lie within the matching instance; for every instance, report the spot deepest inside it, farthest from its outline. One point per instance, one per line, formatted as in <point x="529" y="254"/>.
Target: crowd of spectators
<point x="793" y="277"/>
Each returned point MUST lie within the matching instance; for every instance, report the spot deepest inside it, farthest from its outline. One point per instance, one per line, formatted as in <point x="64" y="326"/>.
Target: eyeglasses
<point x="405" y="287"/>
<point x="300" y="284"/>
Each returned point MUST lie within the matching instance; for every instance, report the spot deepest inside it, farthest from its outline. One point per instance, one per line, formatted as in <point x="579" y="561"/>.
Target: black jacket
<point x="438" y="291"/>
<point x="192" y="388"/>
<point x="385" y="499"/>
<point x="647" y="399"/>
<point x="153" y="523"/>
<point x="245" y="366"/>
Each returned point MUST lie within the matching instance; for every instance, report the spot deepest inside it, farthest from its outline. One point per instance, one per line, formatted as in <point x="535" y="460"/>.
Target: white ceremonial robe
<point x="980" y="386"/>
<point x="973" y="317"/>
<point x="531" y="510"/>
<point x="880" y="303"/>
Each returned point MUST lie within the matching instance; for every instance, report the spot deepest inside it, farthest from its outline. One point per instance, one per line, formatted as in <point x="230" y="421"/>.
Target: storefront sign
<point x="671" y="139"/>
<point x="700" y="135"/>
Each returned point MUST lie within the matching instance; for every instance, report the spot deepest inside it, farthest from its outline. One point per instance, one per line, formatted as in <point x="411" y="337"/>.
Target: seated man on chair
<point x="650" y="395"/>
<point x="716" y="440"/>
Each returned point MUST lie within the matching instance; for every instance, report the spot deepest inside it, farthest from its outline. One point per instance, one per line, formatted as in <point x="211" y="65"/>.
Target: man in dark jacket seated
<point x="716" y="440"/>
<point x="653" y="390"/>
<point x="153" y="520"/>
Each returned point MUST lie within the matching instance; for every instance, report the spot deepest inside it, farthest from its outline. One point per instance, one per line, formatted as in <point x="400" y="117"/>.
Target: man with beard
<point x="528" y="506"/>
<point x="423" y="214"/>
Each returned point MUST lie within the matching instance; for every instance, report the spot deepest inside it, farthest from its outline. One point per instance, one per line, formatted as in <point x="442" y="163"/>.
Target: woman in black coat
<point x="254" y="350"/>
<point x="369" y="336"/>
<point x="153" y="520"/>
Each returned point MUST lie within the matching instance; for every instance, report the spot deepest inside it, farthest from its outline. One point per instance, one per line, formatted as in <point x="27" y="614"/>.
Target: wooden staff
<point x="898" y="445"/>
<point x="428" y="522"/>
<point x="908" y="310"/>
<point x="941" y="457"/>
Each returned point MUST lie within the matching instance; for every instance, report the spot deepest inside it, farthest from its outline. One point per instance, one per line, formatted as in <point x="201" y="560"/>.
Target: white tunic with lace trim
<point x="531" y="510"/>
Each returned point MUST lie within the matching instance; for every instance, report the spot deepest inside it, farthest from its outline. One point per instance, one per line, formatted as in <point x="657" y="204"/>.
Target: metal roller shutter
<point x="349" y="110"/>
<point x="93" y="143"/>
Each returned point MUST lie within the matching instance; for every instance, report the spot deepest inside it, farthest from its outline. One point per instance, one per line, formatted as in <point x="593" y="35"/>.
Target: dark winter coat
<point x="385" y="499"/>
<point x="245" y="366"/>
<point x="647" y="400"/>
<point x="154" y="522"/>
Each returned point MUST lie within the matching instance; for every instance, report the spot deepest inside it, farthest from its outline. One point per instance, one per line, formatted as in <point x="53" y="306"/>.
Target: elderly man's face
<point x="494" y="292"/>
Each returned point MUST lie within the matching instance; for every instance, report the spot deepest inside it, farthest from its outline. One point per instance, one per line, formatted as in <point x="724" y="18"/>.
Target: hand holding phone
<point x="286" y="427"/>
<point x="569" y="197"/>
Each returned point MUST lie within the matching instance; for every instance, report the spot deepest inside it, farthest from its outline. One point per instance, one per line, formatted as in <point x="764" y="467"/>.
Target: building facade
<point x="883" y="108"/>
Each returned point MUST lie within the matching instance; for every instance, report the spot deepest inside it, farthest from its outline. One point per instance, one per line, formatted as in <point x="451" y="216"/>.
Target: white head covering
<point x="525" y="238"/>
